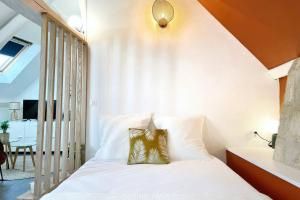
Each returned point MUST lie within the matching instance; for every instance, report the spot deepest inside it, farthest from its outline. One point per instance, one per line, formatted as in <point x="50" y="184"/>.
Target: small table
<point x="23" y="144"/>
<point x="7" y="149"/>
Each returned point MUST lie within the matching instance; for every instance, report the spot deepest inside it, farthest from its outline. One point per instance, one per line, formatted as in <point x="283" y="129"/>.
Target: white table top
<point x="23" y="143"/>
<point x="263" y="158"/>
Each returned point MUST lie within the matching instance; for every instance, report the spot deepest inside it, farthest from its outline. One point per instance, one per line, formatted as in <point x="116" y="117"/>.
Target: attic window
<point x="10" y="52"/>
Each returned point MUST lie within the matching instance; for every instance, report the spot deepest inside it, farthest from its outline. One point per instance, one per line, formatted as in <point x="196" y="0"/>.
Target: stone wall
<point x="288" y="140"/>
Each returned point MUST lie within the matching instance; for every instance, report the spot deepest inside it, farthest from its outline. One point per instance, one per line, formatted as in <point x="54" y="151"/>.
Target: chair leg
<point x="6" y="151"/>
<point x="1" y="173"/>
<point x="32" y="156"/>
<point x="16" y="155"/>
<point x="24" y="158"/>
<point x="10" y="154"/>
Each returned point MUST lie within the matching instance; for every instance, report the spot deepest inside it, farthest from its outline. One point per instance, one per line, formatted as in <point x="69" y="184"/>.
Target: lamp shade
<point x="14" y="106"/>
<point x="163" y="12"/>
<point x="273" y="126"/>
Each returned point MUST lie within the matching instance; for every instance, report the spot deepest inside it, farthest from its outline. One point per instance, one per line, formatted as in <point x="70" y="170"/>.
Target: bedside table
<point x="257" y="167"/>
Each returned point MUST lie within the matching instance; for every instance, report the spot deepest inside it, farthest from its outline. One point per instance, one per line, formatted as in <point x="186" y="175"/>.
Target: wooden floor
<point x="10" y="190"/>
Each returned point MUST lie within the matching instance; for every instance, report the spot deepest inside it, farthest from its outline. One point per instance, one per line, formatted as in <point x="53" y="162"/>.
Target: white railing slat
<point x="41" y="107"/>
<point x="73" y="104"/>
<point x="66" y="106"/>
<point x="50" y="105"/>
<point x="78" y="107"/>
<point x="59" y="92"/>
<point x="84" y="94"/>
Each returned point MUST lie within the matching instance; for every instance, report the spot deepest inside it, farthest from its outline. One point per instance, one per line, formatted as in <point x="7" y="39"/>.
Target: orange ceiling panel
<point x="270" y="29"/>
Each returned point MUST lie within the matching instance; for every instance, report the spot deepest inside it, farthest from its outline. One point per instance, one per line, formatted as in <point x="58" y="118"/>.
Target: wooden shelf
<point x="257" y="167"/>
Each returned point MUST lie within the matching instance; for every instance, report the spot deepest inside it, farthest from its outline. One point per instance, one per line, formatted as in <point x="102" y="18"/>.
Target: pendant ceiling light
<point x="163" y="12"/>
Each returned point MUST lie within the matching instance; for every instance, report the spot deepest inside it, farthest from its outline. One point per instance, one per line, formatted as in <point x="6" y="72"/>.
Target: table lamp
<point x="14" y="106"/>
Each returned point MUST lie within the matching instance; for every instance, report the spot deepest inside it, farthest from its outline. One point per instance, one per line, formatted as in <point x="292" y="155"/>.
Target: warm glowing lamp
<point x="163" y="12"/>
<point x="273" y="126"/>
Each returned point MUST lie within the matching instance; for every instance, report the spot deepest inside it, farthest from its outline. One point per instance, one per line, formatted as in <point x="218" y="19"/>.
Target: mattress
<point x="179" y="180"/>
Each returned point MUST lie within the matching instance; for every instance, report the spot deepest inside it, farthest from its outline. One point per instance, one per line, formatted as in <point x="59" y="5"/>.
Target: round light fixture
<point x="163" y="12"/>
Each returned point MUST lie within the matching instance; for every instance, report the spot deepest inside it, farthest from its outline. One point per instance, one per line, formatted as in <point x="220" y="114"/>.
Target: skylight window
<point x="10" y="52"/>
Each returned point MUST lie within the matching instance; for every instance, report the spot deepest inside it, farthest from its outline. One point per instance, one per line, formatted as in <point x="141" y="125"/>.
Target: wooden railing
<point x="64" y="71"/>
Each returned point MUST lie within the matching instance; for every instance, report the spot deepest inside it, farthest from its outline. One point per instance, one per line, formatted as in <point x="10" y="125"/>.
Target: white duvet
<point x="179" y="180"/>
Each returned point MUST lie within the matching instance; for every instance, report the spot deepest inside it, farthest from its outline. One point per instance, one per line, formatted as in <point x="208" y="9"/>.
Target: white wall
<point x="4" y="114"/>
<point x="194" y="66"/>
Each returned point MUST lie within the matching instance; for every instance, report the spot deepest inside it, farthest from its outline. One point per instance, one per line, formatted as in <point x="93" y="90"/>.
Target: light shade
<point x="14" y="105"/>
<point x="273" y="126"/>
<point x="163" y="12"/>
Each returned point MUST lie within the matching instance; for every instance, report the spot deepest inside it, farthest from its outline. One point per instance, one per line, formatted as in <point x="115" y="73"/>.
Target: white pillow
<point x="114" y="142"/>
<point x="184" y="136"/>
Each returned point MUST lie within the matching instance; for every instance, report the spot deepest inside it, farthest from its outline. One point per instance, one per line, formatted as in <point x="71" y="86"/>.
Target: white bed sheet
<point x="179" y="180"/>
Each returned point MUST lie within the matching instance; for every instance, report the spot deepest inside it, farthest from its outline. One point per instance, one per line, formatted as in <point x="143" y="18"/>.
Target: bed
<point x="192" y="174"/>
<point x="179" y="180"/>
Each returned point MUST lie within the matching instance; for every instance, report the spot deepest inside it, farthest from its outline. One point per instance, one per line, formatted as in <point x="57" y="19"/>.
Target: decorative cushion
<point x="148" y="146"/>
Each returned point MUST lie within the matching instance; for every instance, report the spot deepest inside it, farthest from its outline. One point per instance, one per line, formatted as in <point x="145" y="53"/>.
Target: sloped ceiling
<point x="25" y="68"/>
<point x="269" y="29"/>
<point x="6" y="14"/>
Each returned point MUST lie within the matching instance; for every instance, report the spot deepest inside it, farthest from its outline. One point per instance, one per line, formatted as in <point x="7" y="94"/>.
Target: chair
<point x="3" y="158"/>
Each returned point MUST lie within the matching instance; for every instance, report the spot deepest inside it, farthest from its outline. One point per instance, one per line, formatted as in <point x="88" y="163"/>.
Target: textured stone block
<point x="287" y="148"/>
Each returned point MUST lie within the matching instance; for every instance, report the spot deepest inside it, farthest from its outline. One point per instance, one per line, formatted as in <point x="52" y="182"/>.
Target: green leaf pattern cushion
<point x="148" y="146"/>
